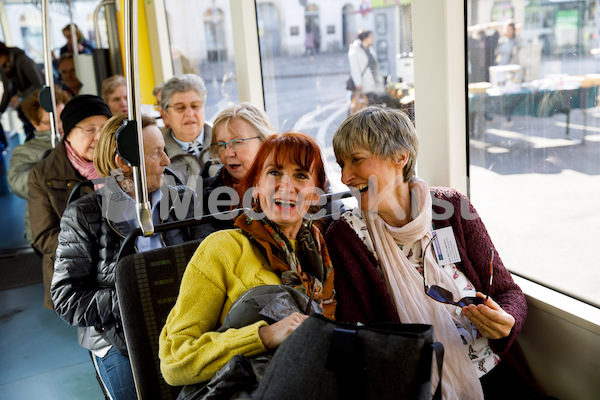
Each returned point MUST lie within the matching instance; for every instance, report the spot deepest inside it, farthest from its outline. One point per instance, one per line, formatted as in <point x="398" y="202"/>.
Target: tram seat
<point x="147" y="288"/>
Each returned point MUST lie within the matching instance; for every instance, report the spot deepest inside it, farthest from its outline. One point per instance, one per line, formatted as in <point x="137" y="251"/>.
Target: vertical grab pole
<point x="144" y="211"/>
<point x="49" y="76"/>
<point x="74" y="38"/>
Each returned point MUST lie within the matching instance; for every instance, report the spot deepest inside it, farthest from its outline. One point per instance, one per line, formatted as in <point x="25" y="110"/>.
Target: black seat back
<point x="147" y="287"/>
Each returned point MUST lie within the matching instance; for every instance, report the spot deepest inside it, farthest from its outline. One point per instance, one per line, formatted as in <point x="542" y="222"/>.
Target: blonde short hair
<point x="253" y="115"/>
<point x="384" y="132"/>
<point x="106" y="148"/>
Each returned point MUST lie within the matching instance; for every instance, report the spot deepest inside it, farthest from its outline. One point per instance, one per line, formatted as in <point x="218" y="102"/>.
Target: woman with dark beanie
<point x="53" y="178"/>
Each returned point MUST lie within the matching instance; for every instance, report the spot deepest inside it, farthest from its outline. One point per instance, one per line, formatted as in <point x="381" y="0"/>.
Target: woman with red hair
<point x="274" y="243"/>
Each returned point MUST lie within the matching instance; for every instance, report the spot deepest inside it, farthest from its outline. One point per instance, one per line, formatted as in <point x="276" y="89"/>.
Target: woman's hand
<point x="273" y="335"/>
<point x="490" y="319"/>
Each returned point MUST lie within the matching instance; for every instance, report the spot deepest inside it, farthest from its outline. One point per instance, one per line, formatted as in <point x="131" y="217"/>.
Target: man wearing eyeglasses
<point x="187" y="139"/>
<point x="21" y="77"/>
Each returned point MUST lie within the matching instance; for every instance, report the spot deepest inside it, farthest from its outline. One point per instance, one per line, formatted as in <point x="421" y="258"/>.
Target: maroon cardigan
<point x="362" y="295"/>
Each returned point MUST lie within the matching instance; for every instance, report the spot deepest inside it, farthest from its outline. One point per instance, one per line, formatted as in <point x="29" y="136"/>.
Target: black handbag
<point x="350" y="85"/>
<point x="350" y="82"/>
<point x="324" y="359"/>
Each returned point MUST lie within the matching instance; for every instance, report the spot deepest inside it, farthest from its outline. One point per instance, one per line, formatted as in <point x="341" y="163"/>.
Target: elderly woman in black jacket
<point x="92" y="231"/>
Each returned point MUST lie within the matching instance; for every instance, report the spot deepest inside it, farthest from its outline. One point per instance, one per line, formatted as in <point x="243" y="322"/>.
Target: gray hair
<point x="157" y="89"/>
<point x="181" y="84"/>
<point x="251" y="114"/>
<point x="385" y="132"/>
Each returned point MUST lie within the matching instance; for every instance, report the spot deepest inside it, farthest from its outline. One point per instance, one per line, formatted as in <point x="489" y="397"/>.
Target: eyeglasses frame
<point x="471" y="299"/>
<point x="232" y="147"/>
<point x="89" y="131"/>
<point x="190" y="106"/>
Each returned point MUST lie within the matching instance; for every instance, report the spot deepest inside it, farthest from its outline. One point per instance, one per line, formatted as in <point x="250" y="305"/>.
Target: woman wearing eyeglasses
<point x="238" y="132"/>
<point x="377" y="250"/>
<point x="53" y="178"/>
<point x="188" y="136"/>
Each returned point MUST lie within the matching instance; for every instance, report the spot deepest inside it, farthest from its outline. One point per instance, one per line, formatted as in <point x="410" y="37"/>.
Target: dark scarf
<point x="309" y="271"/>
<point x="372" y="63"/>
<point x="227" y="179"/>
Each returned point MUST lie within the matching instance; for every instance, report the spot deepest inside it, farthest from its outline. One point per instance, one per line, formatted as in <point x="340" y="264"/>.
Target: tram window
<point x="304" y="58"/>
<point x="26" y="29"/>
<point x="534" y="133"/>
<point x="208" y="52"/>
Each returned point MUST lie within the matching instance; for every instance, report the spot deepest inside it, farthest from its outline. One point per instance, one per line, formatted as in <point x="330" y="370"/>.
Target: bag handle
<point x="438" y="349"/>
<point x="345" y="359"/>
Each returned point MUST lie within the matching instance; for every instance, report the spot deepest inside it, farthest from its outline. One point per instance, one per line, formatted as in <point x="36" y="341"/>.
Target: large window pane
<point x="535" y="137"/>
<point x="26" y="25"/>
<point x="201" y="41"/>
<point x="305" y="65"/>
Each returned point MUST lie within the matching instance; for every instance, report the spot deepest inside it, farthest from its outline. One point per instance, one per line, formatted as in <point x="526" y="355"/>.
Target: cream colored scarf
<point x="405" y="285"/>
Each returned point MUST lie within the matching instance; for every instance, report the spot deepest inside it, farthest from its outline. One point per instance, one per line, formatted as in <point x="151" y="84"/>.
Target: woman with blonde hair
<point x="234" y="132"/>
<point x="238" y="132"/>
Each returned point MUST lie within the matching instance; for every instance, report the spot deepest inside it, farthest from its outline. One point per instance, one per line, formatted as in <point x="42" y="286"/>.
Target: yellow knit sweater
<point x="224" y="266"/>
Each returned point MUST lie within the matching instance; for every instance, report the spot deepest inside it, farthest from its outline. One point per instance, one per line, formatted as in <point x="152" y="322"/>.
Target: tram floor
<point x="39" y="353"/>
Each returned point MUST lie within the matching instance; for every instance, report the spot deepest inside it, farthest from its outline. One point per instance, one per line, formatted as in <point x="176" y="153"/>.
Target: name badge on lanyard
<point x="446" y="249"/>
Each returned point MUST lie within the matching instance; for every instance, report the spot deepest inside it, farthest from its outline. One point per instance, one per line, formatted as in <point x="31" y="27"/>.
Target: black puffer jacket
<point x="91" y="234"/>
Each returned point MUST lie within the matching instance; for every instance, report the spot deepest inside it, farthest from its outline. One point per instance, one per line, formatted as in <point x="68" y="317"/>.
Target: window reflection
<point x="207" y="53"/>
<point x="26" y="26"/>
<point x="214" y="27"/>
<point x="305" y="59"/>
<point x="534" y="130"/>
<point x="31" y="35"/>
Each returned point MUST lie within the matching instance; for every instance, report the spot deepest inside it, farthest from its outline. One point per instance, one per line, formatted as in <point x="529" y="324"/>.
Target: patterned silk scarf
<point x="405" y="285"/>
<point x="309" y="270"/>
